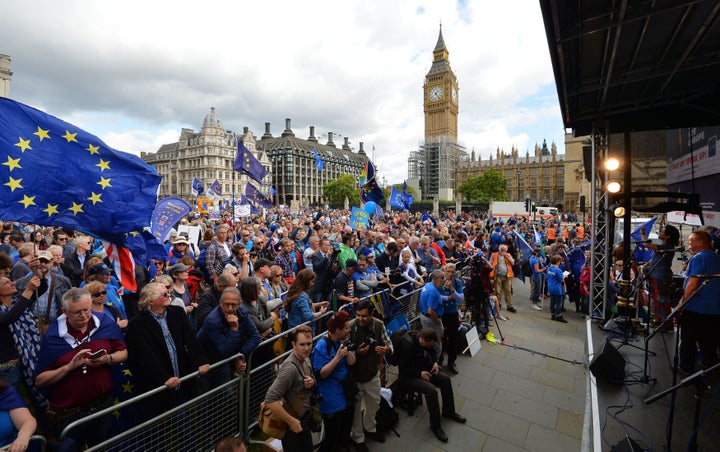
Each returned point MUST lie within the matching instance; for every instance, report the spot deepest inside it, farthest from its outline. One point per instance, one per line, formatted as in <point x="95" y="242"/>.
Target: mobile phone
<point x="98" y="354"/>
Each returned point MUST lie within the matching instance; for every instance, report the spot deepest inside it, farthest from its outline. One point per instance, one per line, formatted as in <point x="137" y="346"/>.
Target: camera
<point x="350" y="345"/>
<point x="369" y="341"/>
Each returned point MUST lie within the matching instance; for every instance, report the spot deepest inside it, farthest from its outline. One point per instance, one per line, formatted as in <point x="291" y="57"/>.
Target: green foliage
<point x="491" y="185"/>
<point x="343" y="187"/>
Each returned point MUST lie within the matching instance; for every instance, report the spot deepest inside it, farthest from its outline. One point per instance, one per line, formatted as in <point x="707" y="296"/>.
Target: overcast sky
<point x="136" y="72"/>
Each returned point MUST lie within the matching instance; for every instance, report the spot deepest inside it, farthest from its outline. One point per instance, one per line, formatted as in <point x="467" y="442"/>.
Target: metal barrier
<point x="39" y="439"/>
<point x="195" y="425"/>
<point x="199" y="423"/>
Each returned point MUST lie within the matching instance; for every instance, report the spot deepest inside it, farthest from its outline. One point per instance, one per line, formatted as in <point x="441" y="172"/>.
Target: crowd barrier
<point x="228" y="410"/>
<point x="37" y="442"/>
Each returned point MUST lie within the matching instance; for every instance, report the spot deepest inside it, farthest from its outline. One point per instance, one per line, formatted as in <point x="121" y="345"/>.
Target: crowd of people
<point x="66" y="319"/>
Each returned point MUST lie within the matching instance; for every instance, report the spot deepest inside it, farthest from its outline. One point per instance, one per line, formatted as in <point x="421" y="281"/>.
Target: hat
<point x="351" y="263"/>
<point x="180" y="240"/>
<point x="274" y="304"/>
<point x="273" y="227"/>
<point x="177" y="268"/>
<point x="295" y="222"/>
<point x="98" y="269"/>
<point x="45" y="254"/>
<point x="367" y="252"/>
<point x="260" y="263"/>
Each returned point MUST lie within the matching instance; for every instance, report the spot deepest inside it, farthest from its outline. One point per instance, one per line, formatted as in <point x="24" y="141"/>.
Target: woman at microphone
<point x="660" y="268"/>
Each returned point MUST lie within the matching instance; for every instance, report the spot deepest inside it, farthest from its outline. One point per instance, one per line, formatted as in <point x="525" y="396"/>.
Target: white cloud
<point x="134" y="71"/>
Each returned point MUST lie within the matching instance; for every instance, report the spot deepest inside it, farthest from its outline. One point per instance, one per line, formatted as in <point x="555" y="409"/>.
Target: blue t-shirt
<point x="555" y="279"/>
<point x="333" y="398"/>
<point x="707" y="300"/>
<point x="454" y="296"/>
<point x="430" y="298"/>
<point x="532" y="261"/>
<point x="9" y="400"/>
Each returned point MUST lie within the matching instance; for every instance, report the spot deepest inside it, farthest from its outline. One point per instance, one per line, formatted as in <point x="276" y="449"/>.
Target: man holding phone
<point x="74" y="364"/>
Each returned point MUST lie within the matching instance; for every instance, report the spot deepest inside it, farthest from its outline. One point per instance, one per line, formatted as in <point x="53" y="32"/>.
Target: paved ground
<point x="514" y="399"/>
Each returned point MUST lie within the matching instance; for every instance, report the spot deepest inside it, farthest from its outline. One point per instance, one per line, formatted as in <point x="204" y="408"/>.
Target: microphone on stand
<point x="679" y="249"/>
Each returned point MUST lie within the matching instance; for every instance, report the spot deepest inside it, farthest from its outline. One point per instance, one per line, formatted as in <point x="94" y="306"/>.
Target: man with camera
<point x="419" y="371"/>
<point x="368" y="334"/>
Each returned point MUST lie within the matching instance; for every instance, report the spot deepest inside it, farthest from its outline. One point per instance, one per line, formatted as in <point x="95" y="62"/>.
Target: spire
<point x="440" y="46"/>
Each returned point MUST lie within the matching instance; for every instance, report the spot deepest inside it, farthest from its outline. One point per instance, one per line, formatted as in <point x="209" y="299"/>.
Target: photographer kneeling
<point x="330" y="360"/>
<point x="419" y="371"/>
<point x="372" y="344"/>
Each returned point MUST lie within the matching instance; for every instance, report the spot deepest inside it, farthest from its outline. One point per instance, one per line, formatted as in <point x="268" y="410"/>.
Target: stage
<point x="621" y="408"/>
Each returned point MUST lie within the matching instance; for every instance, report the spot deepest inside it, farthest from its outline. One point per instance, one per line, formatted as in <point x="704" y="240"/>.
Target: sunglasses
<point x="99" y="294"/>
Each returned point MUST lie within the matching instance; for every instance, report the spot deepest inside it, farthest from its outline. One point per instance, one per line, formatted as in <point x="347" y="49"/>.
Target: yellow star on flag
<point x="24" y="145"/>
<point x="14" y="183"/>
<point x="127" y="372"/>
<point x="12" y="163"/>
<point x="42" y="133"/>
<point x="103" y="165"/>
<point x="104" y="183"/>
<point x="70" y="136"/>
<point x="95" y="198"/>
<point x="93" y="149"/>
<point x="76" y="208"/>
<point x="134" y="233"/>
<point x="51" y="209"/>
<point x="127" y="387"/>
<point x="27" y="201"/>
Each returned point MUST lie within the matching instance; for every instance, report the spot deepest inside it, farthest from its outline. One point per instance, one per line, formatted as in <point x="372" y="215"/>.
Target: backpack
<point x="386" y="417"/>
<point x="398" y="338"/>
<point x="200" y="265"/>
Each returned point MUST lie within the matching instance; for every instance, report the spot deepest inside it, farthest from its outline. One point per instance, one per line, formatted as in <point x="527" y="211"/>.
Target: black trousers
<point x="451" y="324"/>
<point x="427" y="388"/>
<point x="698" y="331"/>
<point x="301" y="442"/>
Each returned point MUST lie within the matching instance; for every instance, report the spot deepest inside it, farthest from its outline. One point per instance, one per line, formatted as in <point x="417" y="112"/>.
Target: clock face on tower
<point x="454" y="94"/>
<point x="436" y="93"/>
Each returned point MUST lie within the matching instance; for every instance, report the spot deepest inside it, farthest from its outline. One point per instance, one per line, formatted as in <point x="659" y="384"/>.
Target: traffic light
<point x="528" y="205"/>
<point x="582" y="203"/>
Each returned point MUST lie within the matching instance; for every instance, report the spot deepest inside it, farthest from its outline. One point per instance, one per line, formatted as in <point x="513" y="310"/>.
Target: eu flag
<point x="254" y="195"/>
<point x="215" y="189"/>
<point x="245" y="162"/>
<point x="396" y="199"/>
<point x="54" y="173"/>
<point x="318" y="161"/>
<point x="524" y="252"/>
<point x="197" y="187"/>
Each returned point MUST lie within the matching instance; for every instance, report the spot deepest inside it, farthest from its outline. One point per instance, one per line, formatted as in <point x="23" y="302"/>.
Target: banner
<point x="242" y="210"/>
<point x="204" y="205"/>
<point x="358" y="218"/>
<point x="167" y="212"/>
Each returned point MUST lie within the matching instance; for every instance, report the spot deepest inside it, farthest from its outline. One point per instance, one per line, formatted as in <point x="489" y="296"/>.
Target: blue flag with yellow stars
<point x="54" y="173"/>
<point x="254" y="195"/>
<point x="245" y="162"/>
<point x="318" y="161"/>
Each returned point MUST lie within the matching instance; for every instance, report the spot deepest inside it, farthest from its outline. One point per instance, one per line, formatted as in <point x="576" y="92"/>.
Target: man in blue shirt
<point x="700" y="320"/>
<point x="432" y="307"/>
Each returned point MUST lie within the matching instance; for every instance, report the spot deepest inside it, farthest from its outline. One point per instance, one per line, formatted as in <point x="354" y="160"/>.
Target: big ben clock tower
<point x="440" y="100"/>
<point x="431" y="168"/>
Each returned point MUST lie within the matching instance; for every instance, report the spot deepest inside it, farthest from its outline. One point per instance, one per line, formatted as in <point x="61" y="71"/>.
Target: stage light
<point x="612" y="164"/>
<point x="619" y="212"/>
<point x="613" y="186"/>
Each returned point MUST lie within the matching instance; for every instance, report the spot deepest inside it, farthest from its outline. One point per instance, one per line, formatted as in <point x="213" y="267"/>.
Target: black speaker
<point x="626" y="445"/>
<point x="587" y="160"/>
<point x="609" y="365"/>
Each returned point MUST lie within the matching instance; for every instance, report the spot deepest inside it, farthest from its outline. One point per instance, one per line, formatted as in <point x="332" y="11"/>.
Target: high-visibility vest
<point x="493" y="260"/>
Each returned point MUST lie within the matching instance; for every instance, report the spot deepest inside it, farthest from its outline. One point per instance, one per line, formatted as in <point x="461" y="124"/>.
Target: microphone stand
<point x="699" y="390"/>
<point x="676" y="362"/>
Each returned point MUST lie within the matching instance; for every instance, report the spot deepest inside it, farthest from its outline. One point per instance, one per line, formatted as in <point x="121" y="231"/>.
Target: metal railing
<point x="228" y="410"/>
<point x="35" y="439"/>
<point x="193" y="425"/>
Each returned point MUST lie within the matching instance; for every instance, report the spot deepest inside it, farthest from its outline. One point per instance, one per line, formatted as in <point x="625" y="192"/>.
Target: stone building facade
<point x="540" y="176"/>
<point x="206" y="155"/>
<point x="5" y="75"/>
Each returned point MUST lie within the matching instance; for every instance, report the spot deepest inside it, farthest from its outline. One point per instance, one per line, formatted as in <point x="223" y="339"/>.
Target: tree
<point x="490" y="185"/>
<point x="343" y="187"/>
